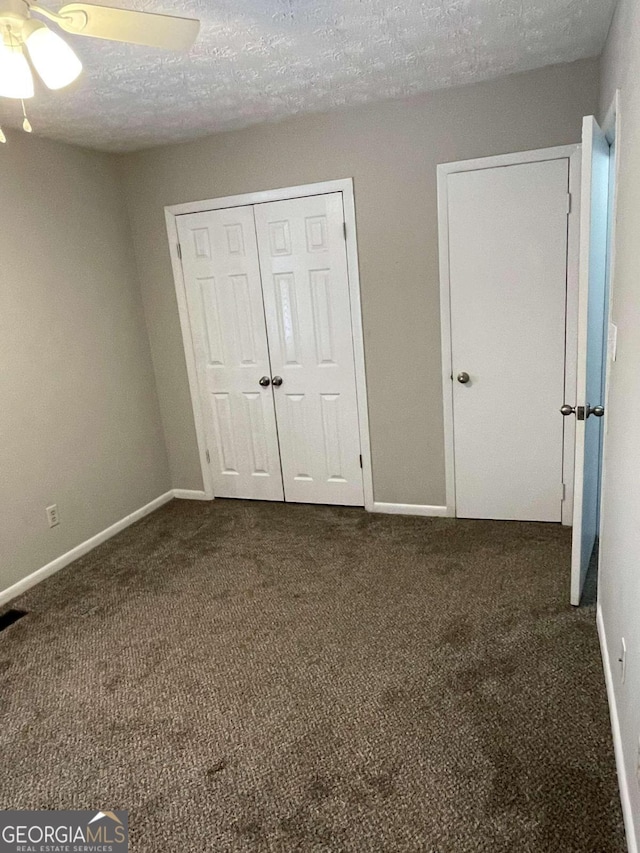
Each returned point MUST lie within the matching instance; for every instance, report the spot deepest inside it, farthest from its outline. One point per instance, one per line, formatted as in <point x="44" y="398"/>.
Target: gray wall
<point x="619" y="584"/>
<point x="79" y="418"/>
<point x="391" y="150"/>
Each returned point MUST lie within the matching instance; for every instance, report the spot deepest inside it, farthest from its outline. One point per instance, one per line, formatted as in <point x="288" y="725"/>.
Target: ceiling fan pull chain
<point x="26" y="124"/>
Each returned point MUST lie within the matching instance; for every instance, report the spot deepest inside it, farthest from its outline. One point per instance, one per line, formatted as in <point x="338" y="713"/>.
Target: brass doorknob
<point x="463" y="377"/>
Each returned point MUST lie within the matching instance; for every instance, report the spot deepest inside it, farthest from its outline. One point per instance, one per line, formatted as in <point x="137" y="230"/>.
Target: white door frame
<point x="611" y="128"/>
<point x="572" y="152"/>
<point x="344" y="186"/>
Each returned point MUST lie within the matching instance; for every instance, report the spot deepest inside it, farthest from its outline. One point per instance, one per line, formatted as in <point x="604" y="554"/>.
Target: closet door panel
<point x="224" y="297"/>
<point x="306" y="295"/>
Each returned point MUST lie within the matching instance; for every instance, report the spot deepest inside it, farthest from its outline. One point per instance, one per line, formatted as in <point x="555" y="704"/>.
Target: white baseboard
<point x="80" y="550"/>
<point x="191" y="495"/>
<point x="623" y="782"/>
<point x="409" y="509"/>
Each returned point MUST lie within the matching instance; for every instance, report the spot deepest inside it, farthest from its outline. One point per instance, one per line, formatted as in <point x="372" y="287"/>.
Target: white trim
<point x="344" y="186"/>
<point x="261" y="197"/>
<point x="192" y="374"/>
<point x="191" y="495"/>
<point x="571" y="333"/>
<point x="445" y="339"/>
<point x="623" y="781"/>
<point x="572" y="152"/>
<point x="515" y="159"/>
<point x="610" y="125"/>
<point x="409" y="509"/>
<point x="82" y="549"/>
<point x="612" y="131"/>
<point x="353" y="271"/>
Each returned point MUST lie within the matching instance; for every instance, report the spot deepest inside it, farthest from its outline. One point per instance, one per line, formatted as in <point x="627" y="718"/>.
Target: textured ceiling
<point x="262" y="60"/>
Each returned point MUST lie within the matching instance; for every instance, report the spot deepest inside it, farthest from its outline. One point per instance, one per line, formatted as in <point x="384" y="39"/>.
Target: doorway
<point x="268" y="292"/>
<point x="509" y="269"/>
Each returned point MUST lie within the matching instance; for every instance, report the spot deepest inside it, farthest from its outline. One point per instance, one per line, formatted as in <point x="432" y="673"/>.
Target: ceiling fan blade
<point x="105" y="22"/>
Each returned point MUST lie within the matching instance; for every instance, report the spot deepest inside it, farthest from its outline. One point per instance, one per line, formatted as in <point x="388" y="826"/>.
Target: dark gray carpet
<point x="267" y="677"/>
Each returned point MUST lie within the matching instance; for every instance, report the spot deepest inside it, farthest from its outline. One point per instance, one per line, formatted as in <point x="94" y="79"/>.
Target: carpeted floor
<point x="269" y="677"/>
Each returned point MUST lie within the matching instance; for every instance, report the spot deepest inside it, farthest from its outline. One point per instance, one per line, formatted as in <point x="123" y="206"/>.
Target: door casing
<point x="344" y="186"/>
<point x="572" y="153"/>
<point x="611" y="127"/>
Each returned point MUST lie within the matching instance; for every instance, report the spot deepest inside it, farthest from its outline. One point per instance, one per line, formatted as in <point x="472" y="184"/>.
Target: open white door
<point x="592" y="316"/>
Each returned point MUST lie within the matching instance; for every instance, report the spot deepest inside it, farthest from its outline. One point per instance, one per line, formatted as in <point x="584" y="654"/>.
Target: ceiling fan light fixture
<point x="16" y="79"/>
<point x="54" y="60"/>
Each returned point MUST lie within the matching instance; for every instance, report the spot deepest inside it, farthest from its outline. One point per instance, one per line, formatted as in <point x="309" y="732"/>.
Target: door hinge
<point x="208" y="456"/>
<point x="568" y="202"/>
<point x="361" y="460"/>
<point x="179" y="247"/>
<point x="563" y="492"/>
<point x="344" y="230"/>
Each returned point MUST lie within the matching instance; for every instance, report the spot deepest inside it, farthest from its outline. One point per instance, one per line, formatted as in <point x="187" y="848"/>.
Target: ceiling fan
<point x="54" y="60"/>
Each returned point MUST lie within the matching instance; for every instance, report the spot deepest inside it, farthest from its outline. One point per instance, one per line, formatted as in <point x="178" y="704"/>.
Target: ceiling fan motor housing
<point x="13" y="13"/>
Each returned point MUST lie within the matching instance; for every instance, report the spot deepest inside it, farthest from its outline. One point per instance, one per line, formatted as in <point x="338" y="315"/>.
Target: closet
<point x="267" y="292"/>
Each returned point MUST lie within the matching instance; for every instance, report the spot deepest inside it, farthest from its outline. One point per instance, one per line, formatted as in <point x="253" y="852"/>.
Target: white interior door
<point x="224" y="297"/>
<point x="508" y="276"/>
<point x="306" y="294"/>
<point x="592" y="317"/>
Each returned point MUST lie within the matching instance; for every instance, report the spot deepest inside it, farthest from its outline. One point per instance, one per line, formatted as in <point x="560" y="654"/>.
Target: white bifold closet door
<point x="306" y="296"/>
<point x="268" y="297"/>
<point x="224" y="298"/>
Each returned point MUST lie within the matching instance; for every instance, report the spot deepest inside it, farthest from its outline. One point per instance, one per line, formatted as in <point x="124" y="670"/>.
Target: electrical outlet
<point x="52" y="515"/>
<point x="622" y="660"/>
